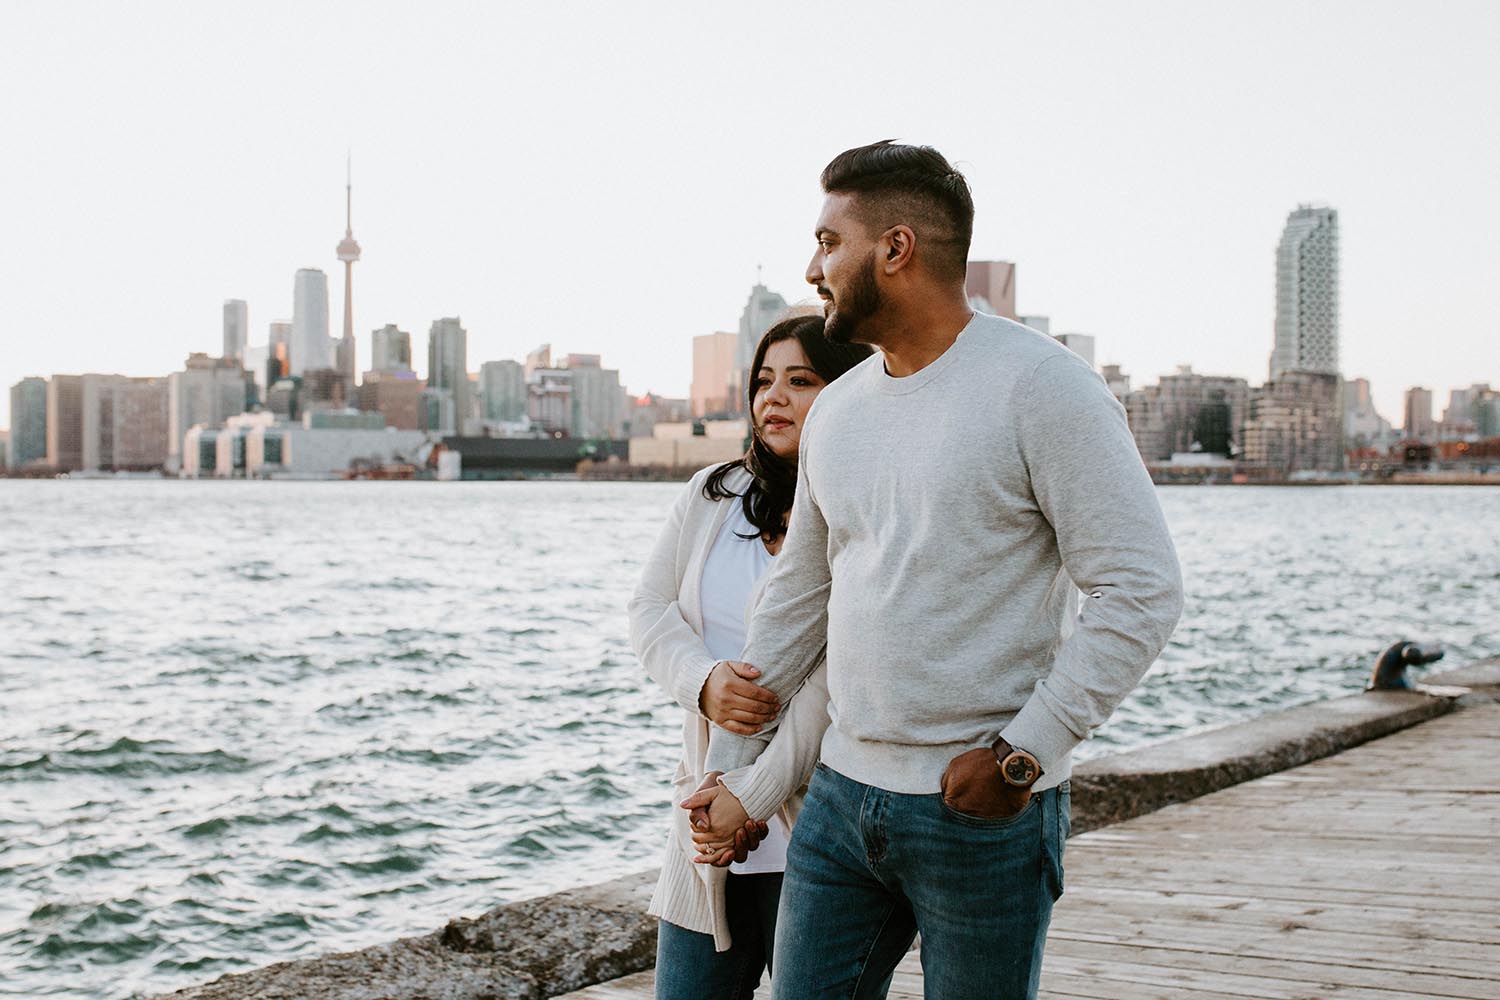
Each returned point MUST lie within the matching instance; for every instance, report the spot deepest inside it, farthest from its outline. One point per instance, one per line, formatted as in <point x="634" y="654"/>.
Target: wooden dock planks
<point x="1374" y="874"/>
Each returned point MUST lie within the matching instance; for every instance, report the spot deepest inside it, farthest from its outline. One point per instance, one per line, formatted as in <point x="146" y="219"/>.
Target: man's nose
<point x="814" y="273"/>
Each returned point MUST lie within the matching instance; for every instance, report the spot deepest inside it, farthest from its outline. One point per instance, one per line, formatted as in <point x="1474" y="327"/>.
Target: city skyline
<point x="1141" y="189"/>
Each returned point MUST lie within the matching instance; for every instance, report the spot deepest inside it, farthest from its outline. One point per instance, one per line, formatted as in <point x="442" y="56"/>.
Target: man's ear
<point x="897" y="245"/>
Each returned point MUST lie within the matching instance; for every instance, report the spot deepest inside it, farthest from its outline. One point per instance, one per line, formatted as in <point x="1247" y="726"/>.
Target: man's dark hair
<point x="915" y="186"/>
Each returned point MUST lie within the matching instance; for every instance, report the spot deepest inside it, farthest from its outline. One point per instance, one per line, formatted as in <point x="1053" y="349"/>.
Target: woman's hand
<point x="730" y="699"/>
<point x="722" y="830"/>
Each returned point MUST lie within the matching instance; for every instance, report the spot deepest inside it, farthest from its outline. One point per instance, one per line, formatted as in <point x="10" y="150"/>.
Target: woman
<point x="688" y="617"/>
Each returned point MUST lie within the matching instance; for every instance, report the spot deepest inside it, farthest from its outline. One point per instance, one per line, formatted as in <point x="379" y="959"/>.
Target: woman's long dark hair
<point x="768" y="499"/>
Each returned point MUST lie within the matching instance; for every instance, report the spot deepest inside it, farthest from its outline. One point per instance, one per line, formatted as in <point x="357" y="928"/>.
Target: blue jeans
<point x="868" y="869"/>
<point x="688" y="968"/>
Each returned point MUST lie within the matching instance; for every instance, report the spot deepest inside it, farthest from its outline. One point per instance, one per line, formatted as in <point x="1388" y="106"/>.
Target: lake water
<point x="247" y="722"/>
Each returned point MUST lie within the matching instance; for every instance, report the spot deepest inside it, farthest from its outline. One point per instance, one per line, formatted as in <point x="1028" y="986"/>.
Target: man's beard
<point x="858" y="303"/>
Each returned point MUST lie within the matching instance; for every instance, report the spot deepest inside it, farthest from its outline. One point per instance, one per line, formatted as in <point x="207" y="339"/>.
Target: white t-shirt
<point x="731" y="573"/>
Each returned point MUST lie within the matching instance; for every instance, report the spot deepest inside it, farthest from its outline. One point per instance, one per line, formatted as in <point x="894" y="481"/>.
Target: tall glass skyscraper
<point x="236" y="329"/>
<point x="448" y="366"/>
<point x="310" y="346"/>
<point x="1307" y="293"/>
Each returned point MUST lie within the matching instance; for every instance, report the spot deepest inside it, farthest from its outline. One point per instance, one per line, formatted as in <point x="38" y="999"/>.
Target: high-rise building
<point x="395" y="394"/>
<point x="597" y="403"/>
<point x="763" y="309"/>
<point x="207" y="391"/>
<point x="991" y="287"/>
<point x="1296" y="423"/>
<point x="540" y="357"/>
<point x="549" y="400"/>
<point x="310" y="345"/>
<point x="348" y="252"/>
<point x="715" y="375"/>
<point x="502" y="391"/>
<point x="1459" y="416"/>
<point x="448" y="371"/>
<point x="1419" y="425"/>
<point x="1187" y="412"/>
<point x="236" y="329"/>
<point x="1363" y="427"/>
<point x="28" y="422"/>
<point x="65" y="422"/>
<point x="124" y="422"/>
<point x="1307" y="293"/>
<point x="390" y="350"/>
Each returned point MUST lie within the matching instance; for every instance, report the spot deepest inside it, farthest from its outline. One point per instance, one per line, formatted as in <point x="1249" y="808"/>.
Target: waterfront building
<point x="313" y="450"/>
<point x="348" y="252"/>
<point x="597" y="401"/>
<point x="645" y="412"/>
<point x="124" y="423"/>
<point x="1041" y="324"/>
<point x="1418" y="424"/>
<point x="762" y="310"/>
<point x="207" y="391"/>
<point x="716" y="379"/>
<point x="435" y="413"/>
<point x="690" y="444"/>
<point x="1459" y="416"/>
<point x="1295" y="424"/>
<point x="991" y="287"/>
<point x="390" y="350"/>
<point x="502" y="391"/>
<point x="200" y="451"/>
<point x="1307" y="293"/>
<point x="540" y="357"/>
<point x="395" y="395"/>
<point x="65" y="422"/>
<point x="28" y="423"/>
<point x="309" y="335"/>
<point x="236" y="329"/>
<point x="1081" y="344"/>
<point x="448" y="371"/>
<point x="284" y="398"/>
<point x="549" y="400"/>
<point x="1487" y="415"/>
<point x="1187" y="412"/>
<point x="1363" y="426"/>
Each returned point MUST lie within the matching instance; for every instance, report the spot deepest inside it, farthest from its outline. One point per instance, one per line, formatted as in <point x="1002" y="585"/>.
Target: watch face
<point x="1020" y="770"/>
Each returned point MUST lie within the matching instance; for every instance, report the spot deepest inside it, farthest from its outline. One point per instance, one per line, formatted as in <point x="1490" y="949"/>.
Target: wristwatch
<point x="1017" y="767"/>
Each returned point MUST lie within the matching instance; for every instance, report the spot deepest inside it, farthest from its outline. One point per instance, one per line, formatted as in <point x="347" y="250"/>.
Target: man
<point x="955" y="494"/>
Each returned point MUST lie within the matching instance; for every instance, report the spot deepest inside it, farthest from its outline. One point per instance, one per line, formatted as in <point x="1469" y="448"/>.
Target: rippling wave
<point x="246" y="722"/>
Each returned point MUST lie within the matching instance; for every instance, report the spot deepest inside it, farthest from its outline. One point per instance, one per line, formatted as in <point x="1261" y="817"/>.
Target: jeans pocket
<point x="992" y="822"/>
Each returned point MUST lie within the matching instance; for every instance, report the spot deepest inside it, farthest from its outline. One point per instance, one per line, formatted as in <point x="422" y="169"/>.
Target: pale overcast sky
<point x="607" y="176"/>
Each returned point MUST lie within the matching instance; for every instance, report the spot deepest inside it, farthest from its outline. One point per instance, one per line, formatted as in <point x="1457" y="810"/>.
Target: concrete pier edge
<point x="542" y="947"/>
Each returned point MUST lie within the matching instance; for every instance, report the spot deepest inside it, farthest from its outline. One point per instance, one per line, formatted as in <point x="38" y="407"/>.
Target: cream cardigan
<point x="666" y="626"/>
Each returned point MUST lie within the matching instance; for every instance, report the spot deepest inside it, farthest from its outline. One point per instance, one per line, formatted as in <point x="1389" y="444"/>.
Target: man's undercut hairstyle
<point x="916" y="186"/>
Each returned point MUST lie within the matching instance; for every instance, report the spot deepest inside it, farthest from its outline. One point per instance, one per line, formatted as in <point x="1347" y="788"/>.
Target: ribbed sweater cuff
<point x="690" y="680"/>
<point x="759" y="795"/>
<point x="1040" y="733"/>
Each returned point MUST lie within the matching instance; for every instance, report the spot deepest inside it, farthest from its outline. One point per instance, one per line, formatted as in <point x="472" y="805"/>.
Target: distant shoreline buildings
<point x="295" y="406"/>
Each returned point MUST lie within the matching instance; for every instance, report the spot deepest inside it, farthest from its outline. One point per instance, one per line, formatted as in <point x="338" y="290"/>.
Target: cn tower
<point x="348" y="252"/>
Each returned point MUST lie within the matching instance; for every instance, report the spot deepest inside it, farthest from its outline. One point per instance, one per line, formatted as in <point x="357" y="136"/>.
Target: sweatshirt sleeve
<point x="1091" y="485"/>
<point x="789" y="629"/>
<point x="788" y="761"/>
<point x="672" y="653"/>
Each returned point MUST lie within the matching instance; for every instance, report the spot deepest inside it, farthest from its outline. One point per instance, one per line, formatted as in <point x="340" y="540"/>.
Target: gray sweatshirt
<point x="944" y="525"/>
